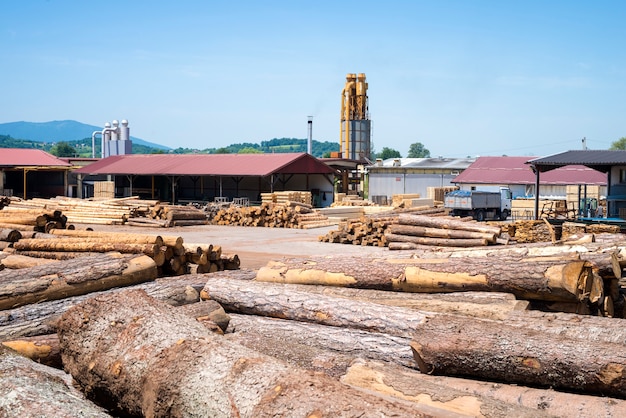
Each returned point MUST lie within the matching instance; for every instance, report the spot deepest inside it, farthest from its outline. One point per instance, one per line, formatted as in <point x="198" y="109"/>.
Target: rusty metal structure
<point x="355" y="139"/>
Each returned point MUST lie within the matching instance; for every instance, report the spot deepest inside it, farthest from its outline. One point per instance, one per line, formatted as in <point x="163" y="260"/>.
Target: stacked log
<point x="368" y="230"/>
<point x="165" y="216"/>
<point x="413" y="230"/>
<point x="287" y="214"/>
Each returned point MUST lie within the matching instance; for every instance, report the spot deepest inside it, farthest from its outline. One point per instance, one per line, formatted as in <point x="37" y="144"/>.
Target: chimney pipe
<point x="310" y="141"/>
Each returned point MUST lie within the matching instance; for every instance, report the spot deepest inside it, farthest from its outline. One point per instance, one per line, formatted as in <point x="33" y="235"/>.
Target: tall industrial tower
<point x="355" y="140"/>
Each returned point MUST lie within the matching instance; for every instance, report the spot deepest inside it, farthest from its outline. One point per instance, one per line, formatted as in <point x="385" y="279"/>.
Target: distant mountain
<point x="59" y="130"/>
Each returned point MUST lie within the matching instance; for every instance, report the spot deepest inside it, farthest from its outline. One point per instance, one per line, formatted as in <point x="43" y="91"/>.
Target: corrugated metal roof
<point x="208" y="164"/>
<point x="24" y="157"/>
<point x="428" y="163"/>
<point x="600" y="160"/>
<point x="514" y="170"/>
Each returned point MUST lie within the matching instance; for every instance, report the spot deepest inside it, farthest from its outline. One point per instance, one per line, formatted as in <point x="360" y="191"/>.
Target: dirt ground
<point x="254" y="246"/>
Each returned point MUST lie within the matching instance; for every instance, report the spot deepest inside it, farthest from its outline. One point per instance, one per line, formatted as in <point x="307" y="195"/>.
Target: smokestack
<point x="310" y="141"/>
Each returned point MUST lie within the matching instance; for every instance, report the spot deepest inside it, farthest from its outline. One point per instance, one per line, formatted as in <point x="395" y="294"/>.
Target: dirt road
<point x="254" y="246"/>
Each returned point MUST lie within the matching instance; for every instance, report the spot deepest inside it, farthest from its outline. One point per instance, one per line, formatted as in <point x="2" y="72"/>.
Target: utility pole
<point x="584" y="143"/>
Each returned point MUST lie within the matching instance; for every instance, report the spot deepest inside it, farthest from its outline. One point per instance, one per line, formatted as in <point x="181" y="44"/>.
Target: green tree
<point x="221" y="150"/>
<point x="387" y="152"/>
<point x="63" y="149"/>
<point x="250" y="150"/>
<point x="417" y="150"/>
<point x="620" y="144"/>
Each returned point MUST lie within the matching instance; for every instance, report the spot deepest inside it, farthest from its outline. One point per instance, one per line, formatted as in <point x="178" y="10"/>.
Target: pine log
<point x="485" y="397"/>
<point x="422" y="231"/>
<point x="29" y="389"/>
<point x="456" y="346"/>
<point x="442" y="242"/>
<point x="317" y="347"/>
<point x="553" y="280"/>
<point x="17" y="261"/>
<point x="34" y="244"/>
<point x="73" y="277"/>
<point x="178" y="360"/>
<point x="446" y="223"/>
<point x="488" y="305"/>
<point x="10" y="235"/>
<point x="43" y="349"/>
<point x="274" y="300"/>
<point x="40" y="318"/>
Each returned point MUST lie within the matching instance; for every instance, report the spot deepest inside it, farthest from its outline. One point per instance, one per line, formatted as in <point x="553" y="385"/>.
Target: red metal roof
<point x="24" y="157"/>
<point x="208" y="164"/>
<point x="514" y="170"/>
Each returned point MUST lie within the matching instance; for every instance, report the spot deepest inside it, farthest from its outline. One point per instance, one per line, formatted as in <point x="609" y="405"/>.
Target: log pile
<point x="165" y="216"/>
<point x="576" y="229"/>
<point x="273" y="215"/>
<point x="169" y="253"/>
<point x="287" y="197"/>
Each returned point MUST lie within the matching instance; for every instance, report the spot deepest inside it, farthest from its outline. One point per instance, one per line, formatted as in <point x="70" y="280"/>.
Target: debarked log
<point x="567" y="280"/>
<point x="73" y="277"/>
<point x="29" y="389"/>
<point x="182" y="370"/>
<point x="456" y="346"/>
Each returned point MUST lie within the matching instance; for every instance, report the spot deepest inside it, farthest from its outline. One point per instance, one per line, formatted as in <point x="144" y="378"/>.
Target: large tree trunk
<point x="478" y="398"/>
<point x="73" y="277"/>
<point x="275" y="300"/>
<point x="442" y="242"/>
<point x="154" y="361"/>
<point x="555" y="280"/>
<point x="456" y="346"/>
<point x="317" y="347"/>
<point x="18" y="261"/>
<point x="29" y="389"/>
<point x="84" y="244"/>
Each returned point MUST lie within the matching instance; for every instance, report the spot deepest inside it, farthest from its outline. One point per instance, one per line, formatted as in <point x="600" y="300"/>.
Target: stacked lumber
<point x="273" y="215"/>
<point x="287" y="197"/>
<point x="527" y="231"/>
<point x="342" y="199"/>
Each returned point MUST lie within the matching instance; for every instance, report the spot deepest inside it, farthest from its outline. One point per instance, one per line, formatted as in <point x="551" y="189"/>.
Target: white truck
<point x="481" y="205"/>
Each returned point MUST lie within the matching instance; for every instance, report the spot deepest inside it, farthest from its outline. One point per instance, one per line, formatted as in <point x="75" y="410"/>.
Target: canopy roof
<point x="601" y="160"/>
<point x="208" y="165"/>
<point x="514" y="170"/>
<point x="25" y="157"/>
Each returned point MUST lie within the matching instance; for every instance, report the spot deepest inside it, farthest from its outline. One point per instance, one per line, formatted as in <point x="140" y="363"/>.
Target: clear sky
<point x="464" y="78"/>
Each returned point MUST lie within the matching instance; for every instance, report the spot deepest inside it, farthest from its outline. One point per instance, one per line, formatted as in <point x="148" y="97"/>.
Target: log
<point x="73" y="277"/>
<point x="488" y="305"/>
<point x="456" y="346"/>
<point x="43" y="349"/>
<point x="274" y="300"/>
<point x="178" y="360"/>
<point x="554" y="280"/>
<point x="34" y="244"/>
<point x="17" y="261"/>
<point x="29" y="389"/>
<point x="484" y="396"/>
<point x="446" y="223"/>
<point x="422" y="231"/>
<point x="10" y="235"/>
<point x="441" y="242"/>
<point x="41" y="318"/>
<point x="317" y="347"/>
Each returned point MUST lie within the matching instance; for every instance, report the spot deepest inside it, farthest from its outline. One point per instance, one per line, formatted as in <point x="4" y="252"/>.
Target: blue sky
<point x="464" y="78"/>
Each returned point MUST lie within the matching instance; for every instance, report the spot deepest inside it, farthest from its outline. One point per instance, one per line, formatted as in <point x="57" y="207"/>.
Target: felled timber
<point x="442" y="242"/>
<point x="446" y="223"/>
<point x="423" y="231"/>
<point x="43" y="349"/>
<point x="179" y="360"/>
<point x="73" y="277"/>
<point x="502" y="353"/>
<point x="10" y="235"/>
<point x="29" y="389"/>
<point x="478" y="398"/>
<point x="565" y="280"/>
<point x="17" y="261"/>
<point x="84" y="244"/>
<point x="41" y="318"/>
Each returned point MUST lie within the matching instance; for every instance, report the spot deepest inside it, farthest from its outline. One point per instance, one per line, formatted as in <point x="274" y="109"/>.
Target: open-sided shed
<point x="32" y="173"/>
<point x="613" y="163"/>
<point x="178" y="177"/>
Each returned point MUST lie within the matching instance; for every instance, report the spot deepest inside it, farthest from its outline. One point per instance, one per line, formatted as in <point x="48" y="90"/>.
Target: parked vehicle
<point x="481" y="205"/>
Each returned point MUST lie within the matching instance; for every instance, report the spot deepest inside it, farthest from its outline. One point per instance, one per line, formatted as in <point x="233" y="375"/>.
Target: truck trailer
<point x="480" y="205"/>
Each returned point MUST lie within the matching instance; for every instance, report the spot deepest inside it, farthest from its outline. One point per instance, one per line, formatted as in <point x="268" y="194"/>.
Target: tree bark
<point x="73" y="277"/>
<point x="455" y="346"/>
<point x="554" y="280"/>
<point x="29" y="389"/>
<point x="489" y="400"/>
<point x="274" y="300"/>
<point x="423" y="231"/>
<point x="154" y="361"/>
<point x="17" y="261"/>
<point x="10" y="235"/>
<point x="83" y="244"/>
<point x="317" y="347"/>
<point x="41" y="318"/>
<point x="442" y="242"/>
<point x="446" y="223"/>
<point x="43" y="349"/>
